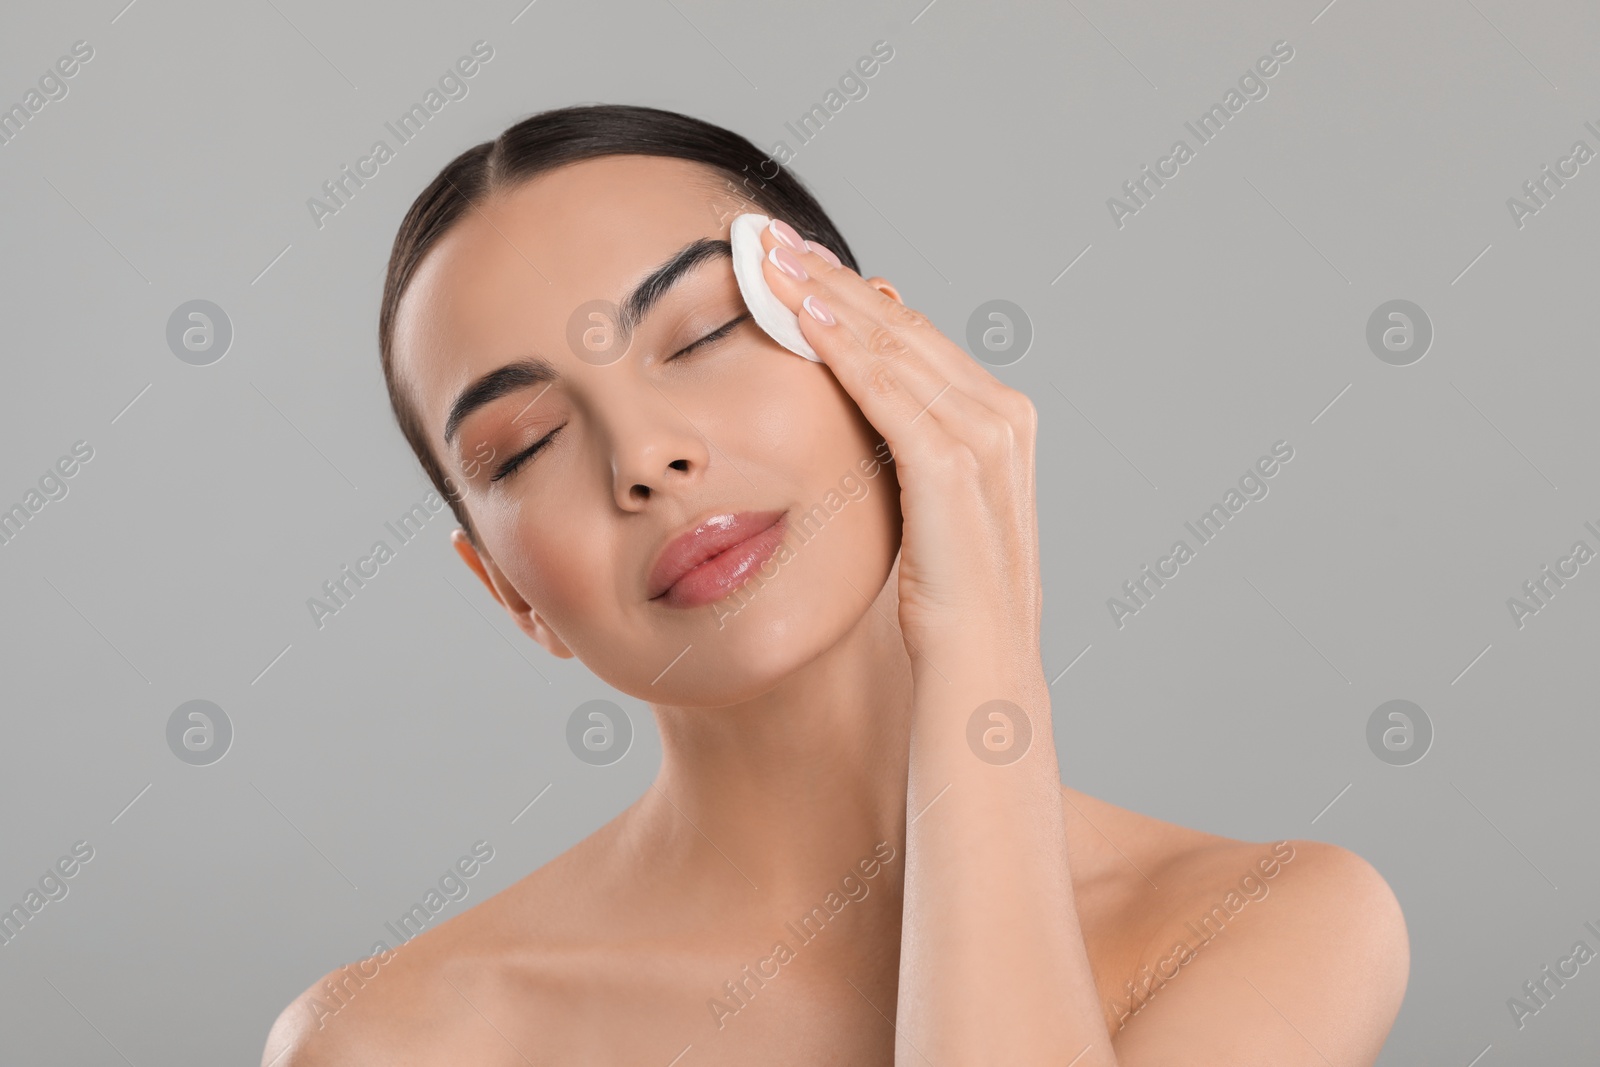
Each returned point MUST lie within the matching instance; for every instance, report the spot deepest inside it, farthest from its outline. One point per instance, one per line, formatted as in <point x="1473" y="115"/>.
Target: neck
<point x="796" y="786"/>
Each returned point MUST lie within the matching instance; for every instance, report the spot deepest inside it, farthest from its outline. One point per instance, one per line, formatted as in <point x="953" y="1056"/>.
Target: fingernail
<point x="824" y="252"/>
<point x="787" y="234"/>
<point x="784" y="260"/>
<point x="818" y="310"/>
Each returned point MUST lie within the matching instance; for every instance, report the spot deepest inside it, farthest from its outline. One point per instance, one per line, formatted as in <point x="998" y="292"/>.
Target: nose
<point x="656" y="449"/>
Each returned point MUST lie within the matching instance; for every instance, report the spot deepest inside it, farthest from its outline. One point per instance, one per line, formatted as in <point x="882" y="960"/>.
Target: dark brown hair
<point x="548" y="140"/>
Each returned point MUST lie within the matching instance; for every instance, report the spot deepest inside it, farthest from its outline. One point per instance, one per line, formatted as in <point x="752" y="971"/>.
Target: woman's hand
<point x="993" y="967"/>
<point x="963" y="446"/>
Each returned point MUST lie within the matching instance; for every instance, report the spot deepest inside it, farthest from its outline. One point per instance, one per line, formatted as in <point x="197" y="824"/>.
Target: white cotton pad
<point x="781" y="324"/>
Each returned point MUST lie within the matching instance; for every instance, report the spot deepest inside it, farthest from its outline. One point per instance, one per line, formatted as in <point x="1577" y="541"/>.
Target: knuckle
<point x="1019" y="410"/>
<point x="1027" y="414"/>
<point x="881" y="379"/>
<point x="884" y="343"/>
<point x="904" y="317"/>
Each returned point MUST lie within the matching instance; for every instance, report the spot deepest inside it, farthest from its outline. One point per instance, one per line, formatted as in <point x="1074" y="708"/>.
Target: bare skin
<point x="816" y="758"/>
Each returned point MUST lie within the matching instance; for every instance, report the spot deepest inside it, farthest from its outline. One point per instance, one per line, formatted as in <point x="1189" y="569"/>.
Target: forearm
<point x="993" y="967"/>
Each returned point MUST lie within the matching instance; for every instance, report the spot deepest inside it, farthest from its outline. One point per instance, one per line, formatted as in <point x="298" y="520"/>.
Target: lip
<point x="711" y="559"/>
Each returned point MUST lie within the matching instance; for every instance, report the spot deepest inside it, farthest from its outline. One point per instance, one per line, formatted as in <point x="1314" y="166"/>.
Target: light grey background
<point x="1228" y="314"/>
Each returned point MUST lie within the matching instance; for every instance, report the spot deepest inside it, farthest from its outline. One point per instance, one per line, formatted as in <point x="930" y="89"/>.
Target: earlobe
<point x="526" y="620"/>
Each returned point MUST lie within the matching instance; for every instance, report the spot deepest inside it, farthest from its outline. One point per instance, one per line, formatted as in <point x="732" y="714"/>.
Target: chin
<point x="766" y="634"/>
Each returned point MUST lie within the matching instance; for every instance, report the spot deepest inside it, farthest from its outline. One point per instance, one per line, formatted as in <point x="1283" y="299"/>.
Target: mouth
<point x="714" y="558"/>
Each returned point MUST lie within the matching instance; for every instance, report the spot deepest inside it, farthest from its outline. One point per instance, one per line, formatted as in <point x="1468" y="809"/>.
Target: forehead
<point x="502" y="283"/>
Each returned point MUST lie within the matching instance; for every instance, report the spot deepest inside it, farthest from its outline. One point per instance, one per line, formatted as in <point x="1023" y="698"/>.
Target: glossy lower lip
<point x="725" y="572"/>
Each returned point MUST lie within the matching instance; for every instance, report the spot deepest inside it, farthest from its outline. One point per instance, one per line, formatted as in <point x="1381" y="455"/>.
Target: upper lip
<point x="707" y="537"/>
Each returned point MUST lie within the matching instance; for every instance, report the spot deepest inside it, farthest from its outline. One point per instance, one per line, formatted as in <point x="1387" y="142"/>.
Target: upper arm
<point x="1312" y="973"/>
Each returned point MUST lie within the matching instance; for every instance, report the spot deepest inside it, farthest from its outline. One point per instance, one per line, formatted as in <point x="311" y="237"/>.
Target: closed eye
<point x="715" y="335"/>
<point x="511" y="465"/>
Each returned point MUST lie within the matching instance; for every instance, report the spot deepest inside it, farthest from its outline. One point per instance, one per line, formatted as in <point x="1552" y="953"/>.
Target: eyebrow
<point x="534" y="370"/>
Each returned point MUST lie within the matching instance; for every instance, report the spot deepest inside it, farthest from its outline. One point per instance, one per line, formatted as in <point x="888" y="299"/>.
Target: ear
<point x="884" y="286"/>
<point x="527" y="621"/>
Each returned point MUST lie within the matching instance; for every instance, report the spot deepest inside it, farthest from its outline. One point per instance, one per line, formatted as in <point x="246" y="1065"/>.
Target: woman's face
<point x="645" y="446"/>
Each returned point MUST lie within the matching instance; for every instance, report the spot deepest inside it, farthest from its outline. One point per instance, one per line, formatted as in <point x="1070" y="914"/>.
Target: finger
<point x="1000" y="414"/>
<point x="838" y="286"/>
<point x="892" y="384"/>
<point x="923" y="418"/>
<point x="1005" y="414"/>
<point x="962" y="422"/>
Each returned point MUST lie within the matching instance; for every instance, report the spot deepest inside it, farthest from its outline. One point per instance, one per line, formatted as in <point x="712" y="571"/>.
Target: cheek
<point x="564" y="570"/>
<point x="810" y="428"/>
<point x="781" y="426"/>
<point x="797" y="413"/>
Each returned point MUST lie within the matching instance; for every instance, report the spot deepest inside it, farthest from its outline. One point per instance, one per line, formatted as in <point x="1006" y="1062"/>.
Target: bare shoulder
<point x="399" y="1006"/>
<point x="1219" y="950"/>
<point x="469" y="990"/>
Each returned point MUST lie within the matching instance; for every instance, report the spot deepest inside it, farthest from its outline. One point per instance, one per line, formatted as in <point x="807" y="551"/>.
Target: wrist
<point x="966" y="659"/>
<point x="987" y="698"/>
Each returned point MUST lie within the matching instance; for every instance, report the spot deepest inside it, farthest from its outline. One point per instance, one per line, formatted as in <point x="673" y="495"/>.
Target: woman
<point x="858" y="849"/>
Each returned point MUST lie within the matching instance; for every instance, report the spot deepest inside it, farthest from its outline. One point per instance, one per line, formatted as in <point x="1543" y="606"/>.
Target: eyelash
<point x="715" y="335"/>
<point x="515" y="462"/>
<point x="522" y="457"/>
